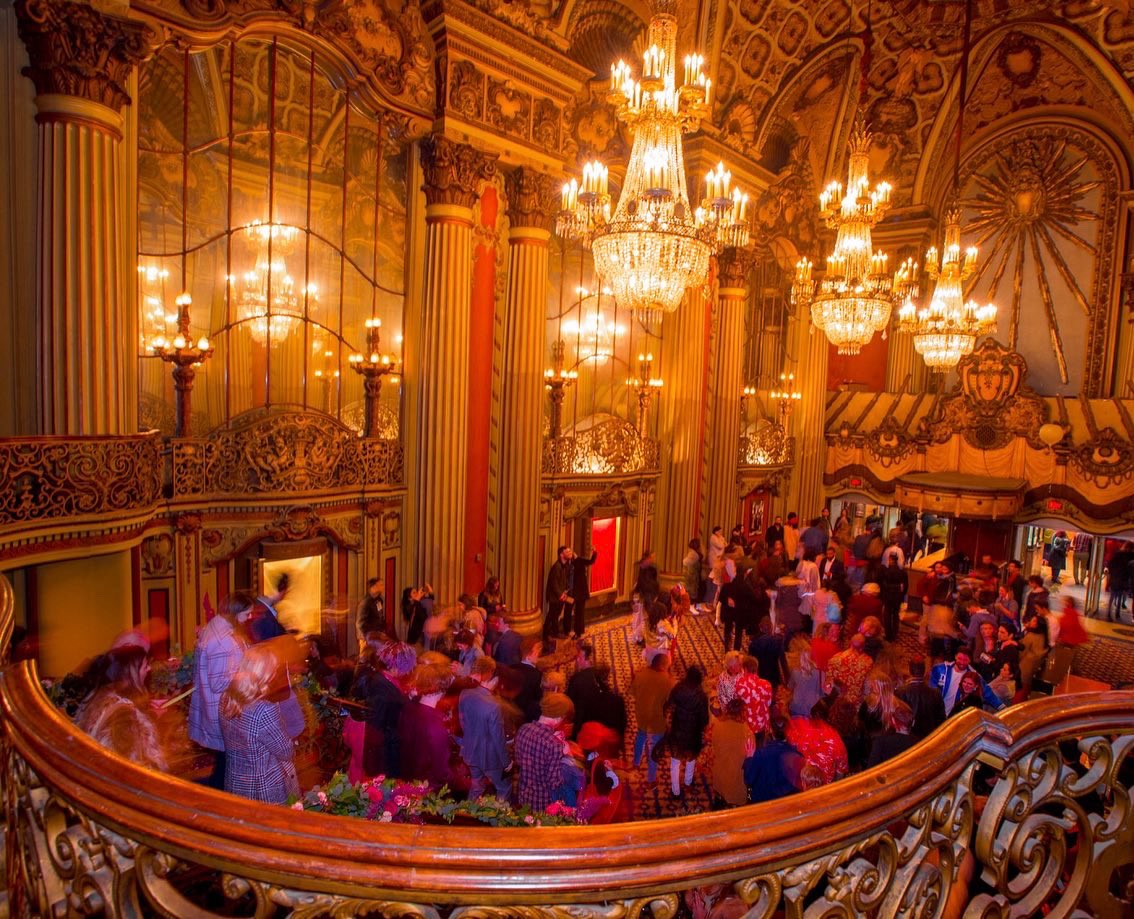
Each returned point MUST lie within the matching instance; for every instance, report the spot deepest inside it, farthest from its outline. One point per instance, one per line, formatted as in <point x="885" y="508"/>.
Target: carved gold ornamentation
<point x="453" y="172"/>
<point x="74" y="50"/>
<point x="282" y="453"/>
<point x="990" y="405"/>
<point x="734" y="267"/>
<point x="889" y="443"/>
<point x="1106" y="459"/>
<point x="1033" y="205"/>
<point x="611" y="447"/>
<point x="466" y="90"/>
<point x="533" y="199"/>
<point x="507" y="108"/>
<point x="769" y="445"/>
<point x="44" y="478"/>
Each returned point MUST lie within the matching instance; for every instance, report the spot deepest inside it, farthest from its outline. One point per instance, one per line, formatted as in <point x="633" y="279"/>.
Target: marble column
<point x="80" y="62"/>
<point x="452" y="174"/>
<point x="685" y="341"/>
<point x="532" y="199"/>
<point x="721" y="500"/>
<point x="808" y="421"/>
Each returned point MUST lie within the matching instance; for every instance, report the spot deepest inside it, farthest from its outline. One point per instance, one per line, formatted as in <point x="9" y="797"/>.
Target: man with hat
<point x="540" y="748"/>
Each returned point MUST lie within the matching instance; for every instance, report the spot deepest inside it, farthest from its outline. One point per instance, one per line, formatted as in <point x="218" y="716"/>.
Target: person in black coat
<point x="925" y="701"/>
<point x="415" y="611"/>
<point x="379" y="690"/>
<point x="647" y="585"/>
<point x="689" y="716"/>
<point x="583" y="688"/>
<point x="580" y="582"/>
<point x="557" y="594"/>
<point x="774" y="533"/>
<point x="265" y="622"/>
<point x="894" y="584"/>
<point x="610" y="707"/>
<point x="735" y="599"/>
<point x="530" y="679"/>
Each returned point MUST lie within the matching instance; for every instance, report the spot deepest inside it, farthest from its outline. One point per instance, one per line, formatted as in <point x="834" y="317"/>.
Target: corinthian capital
<point x="533" y="199"/>
<point x="74" y="50"/>
<point x="734" y="265"/>
<point x="453" y="171"/>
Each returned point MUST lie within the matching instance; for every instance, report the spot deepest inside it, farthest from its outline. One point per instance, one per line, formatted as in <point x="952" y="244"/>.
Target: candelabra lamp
<point x="785" y="397"/>
<point x="372" y="367"/>
<point x="645" y="385"/>
<point x="745" y="394"/>
<point x="185" y="356"/>
<point x="556" y="379"/>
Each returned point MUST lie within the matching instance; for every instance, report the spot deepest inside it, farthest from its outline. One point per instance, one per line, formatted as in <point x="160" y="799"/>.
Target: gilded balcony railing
<point x="1014" y="815"/>
<point x="769" y="445"/>
<point x="610" y="447"/>
<point x="49" y="479"/>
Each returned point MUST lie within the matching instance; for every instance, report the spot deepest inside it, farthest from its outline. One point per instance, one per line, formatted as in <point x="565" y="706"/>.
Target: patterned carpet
<point x="701" y="643"/>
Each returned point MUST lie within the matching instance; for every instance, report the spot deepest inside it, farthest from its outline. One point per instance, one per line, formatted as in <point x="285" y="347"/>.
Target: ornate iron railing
<point x="768" y="446"/>
<point x="995" y="812"/>
<point x="64" y="478"/>
<point x="612" y="447"/>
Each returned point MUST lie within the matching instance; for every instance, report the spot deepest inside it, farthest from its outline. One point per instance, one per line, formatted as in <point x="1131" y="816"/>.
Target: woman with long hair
<point x="806" y="685"/>
<point x="260" y="717"/>
<point x="219" y="651"/>
<point x="689" y="707"/>
<point x="116" y="712"/>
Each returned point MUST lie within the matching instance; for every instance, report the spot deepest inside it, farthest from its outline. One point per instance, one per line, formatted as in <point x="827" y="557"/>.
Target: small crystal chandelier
<point x="855" y="296"/>
<point x="267" y="296"/>
<point x="655" y="245"/>
<point x="594" y="333"/>
<point x="947" y="329"/>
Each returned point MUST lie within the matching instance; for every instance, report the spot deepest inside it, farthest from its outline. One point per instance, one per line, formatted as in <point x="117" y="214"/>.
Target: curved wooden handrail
<point x="437" y="864"/>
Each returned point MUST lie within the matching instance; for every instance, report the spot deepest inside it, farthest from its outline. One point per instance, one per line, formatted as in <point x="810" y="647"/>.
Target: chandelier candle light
<point x="372" y="367"/>
<point x="855" y="297"/>
<point x="266" y="295"/>
<point x="785" y="397"/>
<point x="654" y="245"/>
<point x="185" y="357"/>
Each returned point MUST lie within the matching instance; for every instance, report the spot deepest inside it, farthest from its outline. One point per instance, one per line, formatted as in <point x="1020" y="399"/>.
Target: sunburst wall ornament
<point x="1030" y="201"/>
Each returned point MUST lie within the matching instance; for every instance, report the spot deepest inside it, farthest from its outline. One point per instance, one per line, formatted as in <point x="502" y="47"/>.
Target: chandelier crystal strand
<point x="654" y="244"/>
<point x="857" y="292"/>
<point x="947" y="329"/>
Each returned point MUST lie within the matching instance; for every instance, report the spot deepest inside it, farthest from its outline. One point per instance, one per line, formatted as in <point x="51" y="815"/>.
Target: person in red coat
<point x="424" y="740"/>
<point x="866" y="603"/>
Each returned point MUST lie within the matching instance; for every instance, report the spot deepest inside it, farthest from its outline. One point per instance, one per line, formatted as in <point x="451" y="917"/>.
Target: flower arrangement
<point x="396" y="801"/>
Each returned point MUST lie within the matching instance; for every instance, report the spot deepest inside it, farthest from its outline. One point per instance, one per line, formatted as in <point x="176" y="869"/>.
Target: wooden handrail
<point x="437" y="864"/>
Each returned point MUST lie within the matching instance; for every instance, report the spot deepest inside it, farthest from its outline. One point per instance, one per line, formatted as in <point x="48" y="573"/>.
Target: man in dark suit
<point x="583" y="688"/>
<point x="580" y="587"/>
<point x="774" y="533"/>
<point x="530" y="679"/>
<point x="557" y="594"/>
<point x="506" y="650"/>
<point x="831" y="568"/>
<point x="265" y="621"/>
<point x="483" y="746"/>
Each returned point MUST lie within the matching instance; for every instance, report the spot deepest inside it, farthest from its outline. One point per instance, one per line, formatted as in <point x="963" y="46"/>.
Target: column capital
<point x="453" y="171"/>
<point x="74" y="50"/>
<point x="734" y="266"/>
<point x="533" y="199"/>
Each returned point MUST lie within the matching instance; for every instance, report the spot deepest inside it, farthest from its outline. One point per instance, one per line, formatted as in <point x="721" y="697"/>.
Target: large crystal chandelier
<point x="854" y="298"/>
<point x="266" y="296"/>
<point x="655" y="244"/>
<point x="947" y="329"/>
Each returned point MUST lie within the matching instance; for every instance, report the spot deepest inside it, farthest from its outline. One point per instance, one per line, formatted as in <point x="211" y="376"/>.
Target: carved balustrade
<point x="612" y="447"/>
<point x="769" y="445"/>
<point x="56" y="479"/>
<point x="994" y="799"/>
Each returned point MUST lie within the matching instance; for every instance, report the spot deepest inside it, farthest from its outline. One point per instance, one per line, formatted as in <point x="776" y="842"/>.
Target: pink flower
<point x="401" y="800"/>
<point x="297" y="806"/>
<point x="386" y="817"/>
<point x="529" y="820"/>
<point x="322" y="797"/>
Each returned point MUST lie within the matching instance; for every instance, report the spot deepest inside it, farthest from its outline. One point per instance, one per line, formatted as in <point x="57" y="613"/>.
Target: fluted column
<point x="531" y="209"/>
<point x="808" y="420"/>
<point x="452" y="174"/>
<point x="905" y="369"/>
<point x="683" y="415"/>
<point x="80" y="63"/>
<point x="721" y="498"/>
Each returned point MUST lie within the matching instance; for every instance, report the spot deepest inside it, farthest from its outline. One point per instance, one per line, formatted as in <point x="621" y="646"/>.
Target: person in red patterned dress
<point x="756" y="694"/>
<point x="820" y="744"/>
<point x="849" y="669"/>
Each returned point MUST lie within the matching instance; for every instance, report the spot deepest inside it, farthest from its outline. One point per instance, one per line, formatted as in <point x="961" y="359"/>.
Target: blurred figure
<point x="117" y="711"/>
<point x="265" y="622"/>
<point x="260" y="717"/>
<point x="219" y="652"/>
<point x="423" y="739"/>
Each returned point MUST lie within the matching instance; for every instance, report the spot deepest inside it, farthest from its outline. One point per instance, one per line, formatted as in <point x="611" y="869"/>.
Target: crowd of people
<point x="813" y="681"/>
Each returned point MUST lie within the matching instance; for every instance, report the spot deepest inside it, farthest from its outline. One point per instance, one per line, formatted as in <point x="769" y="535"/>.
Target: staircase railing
<point x="1011" y="815"/>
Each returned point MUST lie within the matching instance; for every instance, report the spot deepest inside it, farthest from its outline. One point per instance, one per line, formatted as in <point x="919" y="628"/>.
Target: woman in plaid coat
<point x="260" y="716"/>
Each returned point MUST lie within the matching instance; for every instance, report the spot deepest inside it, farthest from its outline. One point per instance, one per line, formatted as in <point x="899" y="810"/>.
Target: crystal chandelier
<point x="595" y="335"/>
<point x="655" y="244"/>
<point x="266" y="296"/>
<point x="947" y="329"/>
<point x="854" y="298"/>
